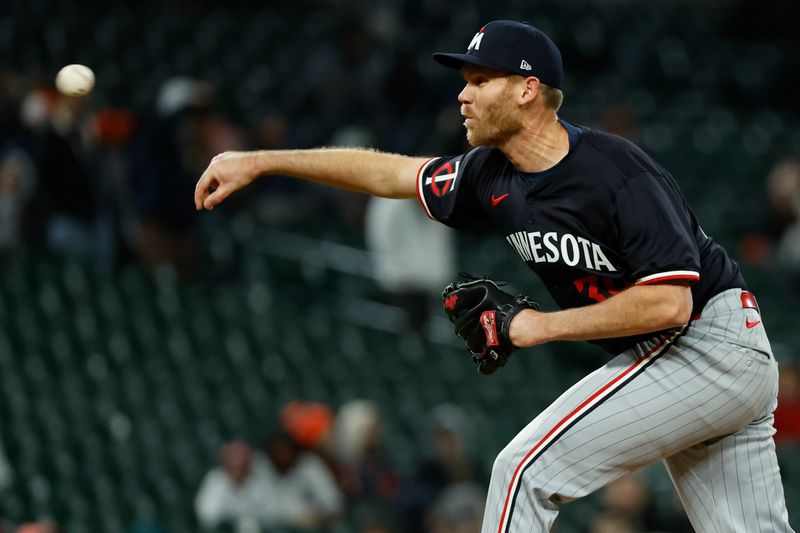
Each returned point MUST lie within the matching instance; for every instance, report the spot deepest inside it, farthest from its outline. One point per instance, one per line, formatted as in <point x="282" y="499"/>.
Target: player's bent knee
<point x="505" y="463"/>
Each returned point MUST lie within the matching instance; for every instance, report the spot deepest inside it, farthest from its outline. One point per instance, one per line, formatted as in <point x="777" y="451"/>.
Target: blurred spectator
<point x="450" y="463"/>
<point x="783" y="189"/>
<point x="11" y="91"/>
<point x="414" y="256"/>
<point x="171" y="156"/>
<point x="459" y="509"/>
<point x="447" y="465"/>
<point x="234" y="492"/>
<point x="627" y="507"/>
<point x="115" y="130"/>
<point x="60" y="142"/>
<point x="288" y="488"/>
<point x="367" y="471"/>
<point x="309" y="423"/>
<point x="788" y="252"/>
<point x="628" y="498"/>
<point x="780" y="238"/>
<point x="302" y="490"/>
<point x="17" y="189"/>
<point x="784" y="194"/>
<point x="787" y="415"/>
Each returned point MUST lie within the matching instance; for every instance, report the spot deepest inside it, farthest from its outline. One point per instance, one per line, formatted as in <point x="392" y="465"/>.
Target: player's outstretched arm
<point x="636" y="310"/>
<point x="361" y="170"/>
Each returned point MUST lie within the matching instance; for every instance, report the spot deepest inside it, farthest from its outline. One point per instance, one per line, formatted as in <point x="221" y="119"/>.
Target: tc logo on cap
<point x="475" y="43"/>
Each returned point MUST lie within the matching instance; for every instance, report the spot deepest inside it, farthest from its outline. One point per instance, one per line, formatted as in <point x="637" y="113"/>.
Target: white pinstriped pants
<point x="701" y="401"/>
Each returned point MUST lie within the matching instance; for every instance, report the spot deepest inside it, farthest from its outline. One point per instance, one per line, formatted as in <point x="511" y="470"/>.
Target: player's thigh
<point x="732" y="483"/>
<point x="640" y="407"/>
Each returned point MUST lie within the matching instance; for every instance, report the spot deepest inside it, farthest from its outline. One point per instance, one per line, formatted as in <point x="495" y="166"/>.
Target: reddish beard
<point x="497" y="123"/>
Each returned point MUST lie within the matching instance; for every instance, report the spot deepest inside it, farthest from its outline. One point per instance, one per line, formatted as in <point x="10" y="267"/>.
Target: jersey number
<point x="595" y="288"/>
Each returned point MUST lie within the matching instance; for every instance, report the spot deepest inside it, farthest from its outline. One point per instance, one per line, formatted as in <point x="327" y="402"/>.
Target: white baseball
<point x="75" y="80"/>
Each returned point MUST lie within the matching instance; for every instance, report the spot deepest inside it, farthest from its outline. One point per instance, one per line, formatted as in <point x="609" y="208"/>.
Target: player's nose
<point x="465" y="96"/>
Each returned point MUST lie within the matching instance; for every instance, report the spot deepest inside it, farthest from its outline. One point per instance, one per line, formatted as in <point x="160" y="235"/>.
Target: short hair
<point x="553" y="98"/>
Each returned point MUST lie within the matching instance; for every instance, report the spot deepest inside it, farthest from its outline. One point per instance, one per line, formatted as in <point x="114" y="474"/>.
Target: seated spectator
<point x="235" y="491"/>
<point x="287" y="488"/>
<point x="311" y="425"/>
<point x="367" y="471"/>
<point x="302" y="492"/>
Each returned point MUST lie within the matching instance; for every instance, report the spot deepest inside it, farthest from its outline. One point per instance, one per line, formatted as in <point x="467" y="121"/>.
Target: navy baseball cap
<point x="513" y="47"/>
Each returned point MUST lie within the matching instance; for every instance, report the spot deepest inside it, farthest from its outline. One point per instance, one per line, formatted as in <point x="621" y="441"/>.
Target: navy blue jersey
<point x="605" y="217"/>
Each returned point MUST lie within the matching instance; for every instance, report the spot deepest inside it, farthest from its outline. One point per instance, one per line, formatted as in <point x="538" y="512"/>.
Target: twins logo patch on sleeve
<point x="443" y="178"/>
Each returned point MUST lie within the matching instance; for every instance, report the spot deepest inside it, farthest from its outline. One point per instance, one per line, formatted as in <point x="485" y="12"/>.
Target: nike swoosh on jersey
<point x="751" y="325"/>
<point x="499" y="199"/>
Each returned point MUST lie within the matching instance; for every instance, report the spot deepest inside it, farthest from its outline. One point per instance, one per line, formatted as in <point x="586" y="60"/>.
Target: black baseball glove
<point x="481" y="313"/>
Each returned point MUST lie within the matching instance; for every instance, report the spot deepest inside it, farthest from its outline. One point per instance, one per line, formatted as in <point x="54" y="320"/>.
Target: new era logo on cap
<point x="499" y="45"/>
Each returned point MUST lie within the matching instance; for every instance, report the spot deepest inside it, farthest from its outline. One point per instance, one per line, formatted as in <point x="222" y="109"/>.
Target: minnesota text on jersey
<point x="552" y="247"/>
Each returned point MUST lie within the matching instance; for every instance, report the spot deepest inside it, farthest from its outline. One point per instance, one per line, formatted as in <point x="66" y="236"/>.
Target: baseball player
<point x="693" y="381"/>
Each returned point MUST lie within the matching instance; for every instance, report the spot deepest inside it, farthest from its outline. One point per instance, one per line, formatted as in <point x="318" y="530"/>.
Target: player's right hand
<point x="226" y="173"/>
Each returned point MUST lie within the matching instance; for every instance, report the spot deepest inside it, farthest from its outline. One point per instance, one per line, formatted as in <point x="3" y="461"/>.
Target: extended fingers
<point x="207" y="182"/>
<point x="202" y="187"/>
<point x="219" y="194"/>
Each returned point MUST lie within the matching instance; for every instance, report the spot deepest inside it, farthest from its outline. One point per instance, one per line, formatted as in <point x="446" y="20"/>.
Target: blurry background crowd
<point x="281" y="363"/>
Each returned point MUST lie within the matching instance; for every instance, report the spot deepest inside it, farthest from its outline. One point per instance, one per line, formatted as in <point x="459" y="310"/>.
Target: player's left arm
<point x="635" y="310"/>
<point x="656" y="242"/>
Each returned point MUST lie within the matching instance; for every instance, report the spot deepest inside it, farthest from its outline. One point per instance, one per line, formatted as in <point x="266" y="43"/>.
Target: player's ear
<point x="531" y="88"/>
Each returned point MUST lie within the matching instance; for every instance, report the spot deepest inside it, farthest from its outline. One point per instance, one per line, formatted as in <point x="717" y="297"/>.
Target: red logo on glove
<point x="450" y="302"/>
<point x="489" y="324"/>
